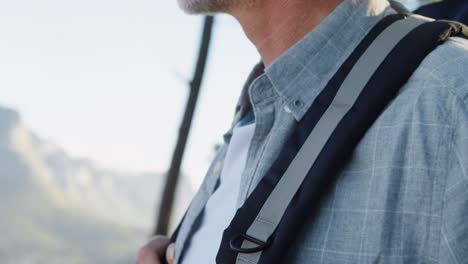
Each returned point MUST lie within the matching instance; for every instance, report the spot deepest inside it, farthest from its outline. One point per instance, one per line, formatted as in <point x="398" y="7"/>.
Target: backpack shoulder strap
<point x="265" y="227"/>
<point x="277" y="203"/>
<point x="447" y="29"/>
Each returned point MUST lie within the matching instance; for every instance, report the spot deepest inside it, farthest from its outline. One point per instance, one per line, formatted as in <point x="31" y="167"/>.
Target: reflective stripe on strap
<point x="275" y="206"/>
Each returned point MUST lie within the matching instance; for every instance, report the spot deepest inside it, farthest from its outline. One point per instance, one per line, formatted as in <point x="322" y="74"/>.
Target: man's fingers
<point x="153" y="252"/>
<point x="170" y="253"/>
<point x="159" y="244"/>
<point x="146" y="255"/>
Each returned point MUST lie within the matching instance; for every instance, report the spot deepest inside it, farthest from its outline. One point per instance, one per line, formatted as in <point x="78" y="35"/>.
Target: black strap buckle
<point x="238" y="239"/>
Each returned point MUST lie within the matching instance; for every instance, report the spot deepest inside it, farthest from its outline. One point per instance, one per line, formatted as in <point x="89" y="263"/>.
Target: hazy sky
<point x="107" y="79"/>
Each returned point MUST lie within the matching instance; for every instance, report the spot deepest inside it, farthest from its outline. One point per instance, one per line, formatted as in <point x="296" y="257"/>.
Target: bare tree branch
<point x="167" y="202"/>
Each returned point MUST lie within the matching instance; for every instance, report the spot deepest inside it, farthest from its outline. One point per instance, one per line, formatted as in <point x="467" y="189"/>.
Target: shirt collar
<point x="244" y="105"/>
<point x="301" y="73"/>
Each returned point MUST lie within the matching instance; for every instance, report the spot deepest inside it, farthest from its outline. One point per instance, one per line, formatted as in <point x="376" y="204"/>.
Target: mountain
<point x="59" y="209"/>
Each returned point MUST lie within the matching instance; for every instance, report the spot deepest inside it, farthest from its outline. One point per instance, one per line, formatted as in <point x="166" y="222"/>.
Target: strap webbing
<point x="273" y="209"/>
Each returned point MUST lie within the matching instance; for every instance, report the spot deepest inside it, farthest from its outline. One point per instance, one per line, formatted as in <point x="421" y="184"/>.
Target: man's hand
<point x="155" y="251"/>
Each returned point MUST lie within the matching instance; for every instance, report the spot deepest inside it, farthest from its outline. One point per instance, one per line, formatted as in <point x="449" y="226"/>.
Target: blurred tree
<point x="167" y="201"/>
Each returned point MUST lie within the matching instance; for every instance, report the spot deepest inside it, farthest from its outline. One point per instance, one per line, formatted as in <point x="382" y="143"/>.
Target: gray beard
<point x="205" y="6"/>
<point x="222" y="6"/>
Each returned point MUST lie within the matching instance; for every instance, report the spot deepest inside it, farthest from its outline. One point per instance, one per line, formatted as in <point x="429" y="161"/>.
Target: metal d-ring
<point x="238" y="239"/>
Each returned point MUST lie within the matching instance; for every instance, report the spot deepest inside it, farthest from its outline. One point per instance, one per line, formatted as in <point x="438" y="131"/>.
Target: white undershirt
<point x="222" y="205"/>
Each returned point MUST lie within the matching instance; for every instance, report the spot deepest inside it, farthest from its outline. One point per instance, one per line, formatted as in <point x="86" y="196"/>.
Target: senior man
<point x="400" y="197"/>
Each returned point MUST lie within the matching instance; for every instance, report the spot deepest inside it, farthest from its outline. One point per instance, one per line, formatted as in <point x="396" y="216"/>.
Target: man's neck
<point x="275" y="25"/>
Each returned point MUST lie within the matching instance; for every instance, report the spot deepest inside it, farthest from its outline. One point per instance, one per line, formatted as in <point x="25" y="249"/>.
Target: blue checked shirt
<point x="403" y="196"/>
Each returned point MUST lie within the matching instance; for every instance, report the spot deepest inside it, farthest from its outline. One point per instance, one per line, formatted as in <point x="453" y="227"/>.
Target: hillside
<point x="58" y="209"/>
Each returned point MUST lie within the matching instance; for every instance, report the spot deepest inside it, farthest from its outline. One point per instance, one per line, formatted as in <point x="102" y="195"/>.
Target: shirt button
<point x="298" y="103"/>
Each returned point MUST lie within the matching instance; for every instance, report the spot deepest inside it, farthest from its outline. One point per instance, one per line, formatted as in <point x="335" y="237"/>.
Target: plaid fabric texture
<point x="403" y="197"/>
